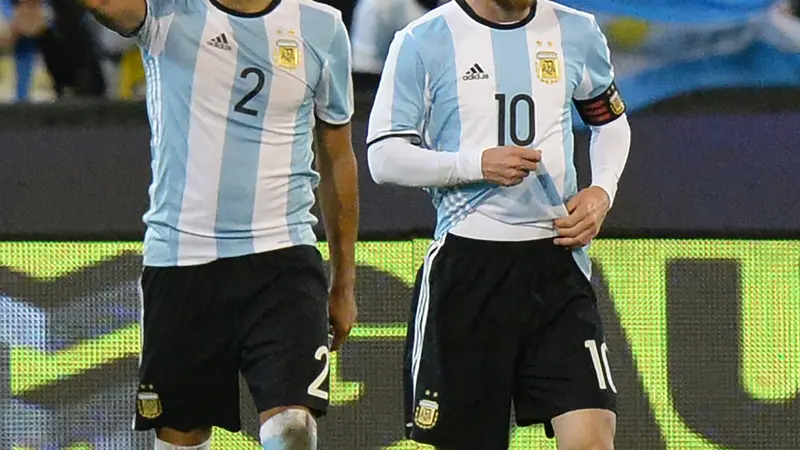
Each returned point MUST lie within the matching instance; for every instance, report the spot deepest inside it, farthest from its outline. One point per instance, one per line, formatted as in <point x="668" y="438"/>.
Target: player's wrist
<point x="607" y="190"/>
<point x="343" y="282"/>
<point x="469" y="166"/>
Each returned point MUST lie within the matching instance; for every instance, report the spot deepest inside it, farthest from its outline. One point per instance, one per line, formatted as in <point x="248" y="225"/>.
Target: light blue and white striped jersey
<point x="232" y="100"/>
<point x="455" y="82"/>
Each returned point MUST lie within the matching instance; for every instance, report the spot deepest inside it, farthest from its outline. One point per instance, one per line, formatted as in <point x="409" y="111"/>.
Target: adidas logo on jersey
<point x="475" y="73"/>
<point x="221" y="42"/>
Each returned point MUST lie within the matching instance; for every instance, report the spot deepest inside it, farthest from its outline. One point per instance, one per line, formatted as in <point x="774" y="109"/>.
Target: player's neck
<point x="494" y="11"/>
<point x="246" y="6"/>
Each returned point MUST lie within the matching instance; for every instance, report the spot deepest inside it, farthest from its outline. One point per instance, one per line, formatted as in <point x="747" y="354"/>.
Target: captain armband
<point x="603" y="109"/>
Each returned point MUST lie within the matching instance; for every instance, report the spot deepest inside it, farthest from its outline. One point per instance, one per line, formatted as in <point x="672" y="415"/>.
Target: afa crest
<point x="426" y="413"/>
<point x="616" y="104"/>
<point x="148" y="404"/>
<point x="287" y="54"/>
<point x="547" y="67"/>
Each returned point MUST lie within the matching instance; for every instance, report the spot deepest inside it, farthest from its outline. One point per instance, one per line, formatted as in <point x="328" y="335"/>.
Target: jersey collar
<point x="499" y="26"/>
<point x="273" y="4"/>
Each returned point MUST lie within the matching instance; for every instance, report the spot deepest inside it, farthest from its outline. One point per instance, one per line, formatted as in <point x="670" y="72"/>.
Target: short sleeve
<point x="152" y="33"/>
<point x="399" y="107"/>
<point x="598" y="73"/>
<point x="597" y="99"/>
<point x="333" y="99"/>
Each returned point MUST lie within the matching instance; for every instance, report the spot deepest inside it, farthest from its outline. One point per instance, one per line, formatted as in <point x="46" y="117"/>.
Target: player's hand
<point x="343" y="312"/>
<point x="587" y="210"/>
<point x="509" y="165"/>
<point x="29" y="18"/>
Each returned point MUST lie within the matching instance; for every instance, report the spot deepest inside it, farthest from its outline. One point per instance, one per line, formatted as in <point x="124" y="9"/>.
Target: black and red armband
<point x="603" y="109"/>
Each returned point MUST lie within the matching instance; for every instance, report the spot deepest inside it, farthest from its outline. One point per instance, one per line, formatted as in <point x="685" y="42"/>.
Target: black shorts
<point x="495" y="323"/>
<point x="263" y="315"/>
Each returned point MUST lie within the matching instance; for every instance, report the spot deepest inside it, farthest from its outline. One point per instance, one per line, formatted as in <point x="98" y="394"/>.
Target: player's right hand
<point x="343" y="312"/>
<point x="509" y="165"/>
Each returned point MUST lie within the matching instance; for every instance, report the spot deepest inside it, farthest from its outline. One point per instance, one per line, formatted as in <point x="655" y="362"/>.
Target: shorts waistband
<point x="499" y="247"/>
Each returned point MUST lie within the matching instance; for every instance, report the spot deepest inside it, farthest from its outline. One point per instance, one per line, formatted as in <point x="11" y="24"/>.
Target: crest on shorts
<point x="547" y="67"/>
<point x="427" y="412"/>
<point x="147" y="402"/>
<point x="288" y="53"/>
<point x="616" y="104"/>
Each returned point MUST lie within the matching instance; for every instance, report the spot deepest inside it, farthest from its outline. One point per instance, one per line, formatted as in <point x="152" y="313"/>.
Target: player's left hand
<point x="587" y="210"/>
<point x="343" y="312"/>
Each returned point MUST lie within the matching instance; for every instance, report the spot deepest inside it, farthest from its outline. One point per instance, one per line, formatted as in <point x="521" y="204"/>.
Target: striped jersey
<point x="455" y="82"/>
<point x="232" y="100"/>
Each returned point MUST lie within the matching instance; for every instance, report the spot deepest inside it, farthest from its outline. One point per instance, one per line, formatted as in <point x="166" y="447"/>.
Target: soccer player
<point x="233" y="281"/>
<point x="475" y="106"/>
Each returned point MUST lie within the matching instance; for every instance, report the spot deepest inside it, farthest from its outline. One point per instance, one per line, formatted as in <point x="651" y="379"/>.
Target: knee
<point x="589" y="442"/>
<point x="168" y="438"/>
<point x="290" y="429"/>
<point x="598" y="445"/>
<point x="585" y="430"/>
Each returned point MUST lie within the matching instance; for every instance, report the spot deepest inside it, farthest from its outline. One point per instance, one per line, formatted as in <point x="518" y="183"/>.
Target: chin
<point x="514" y="4"/>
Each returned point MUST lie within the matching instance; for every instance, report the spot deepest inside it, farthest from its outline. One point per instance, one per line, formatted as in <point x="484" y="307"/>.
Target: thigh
<point x="284" y="330"/>
<point x="564" y="366"/>
<point x="461" y="349"/>
<point x="188" y="374"/>
<point x="593" y="428"/>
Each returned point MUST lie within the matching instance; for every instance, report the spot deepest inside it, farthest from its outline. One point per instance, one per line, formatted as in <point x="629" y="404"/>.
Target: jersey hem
<point x="330" y="121"/>
<point x="199" y="261"/>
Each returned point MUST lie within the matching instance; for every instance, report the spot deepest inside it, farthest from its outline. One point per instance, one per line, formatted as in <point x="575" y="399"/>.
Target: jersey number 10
<point x="507" y="119"/>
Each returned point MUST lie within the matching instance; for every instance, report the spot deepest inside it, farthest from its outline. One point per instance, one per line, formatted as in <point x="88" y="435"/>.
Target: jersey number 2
<point x="507" y="119"/>
<point x="314" y="387"/>
<point x="241" y="105"/>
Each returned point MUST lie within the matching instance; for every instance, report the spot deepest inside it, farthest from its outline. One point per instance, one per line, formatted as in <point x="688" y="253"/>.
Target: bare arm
<point x="6" y="37"/>
<point x="338" y="197"/>
<point x="125" y="17"/>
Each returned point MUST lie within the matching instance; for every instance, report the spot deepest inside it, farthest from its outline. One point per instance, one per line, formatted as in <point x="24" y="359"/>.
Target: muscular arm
<point x="123" y="16"/>
<point x="338" y="196"/>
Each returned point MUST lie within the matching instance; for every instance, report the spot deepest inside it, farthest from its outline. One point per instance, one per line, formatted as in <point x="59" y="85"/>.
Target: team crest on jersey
<point x="426" y="413"/>
<point x="616" y="104"/>
<point x="288" y="53"/>
<point x="148" y="403"/>
<point x="547" y="67"/>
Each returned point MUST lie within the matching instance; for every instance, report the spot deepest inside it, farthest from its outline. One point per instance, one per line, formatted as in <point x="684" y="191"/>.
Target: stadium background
<point x="703" y="337"/>
<point x="698" y="271"/>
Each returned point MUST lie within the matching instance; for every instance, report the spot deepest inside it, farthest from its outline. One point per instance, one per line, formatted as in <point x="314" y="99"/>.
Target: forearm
<point x="338" y="197"/>
<point x="7" y="39"/>
<point x="124" y="17"/>
<point x="608" y="151"/>
<point x="398" y="161"/>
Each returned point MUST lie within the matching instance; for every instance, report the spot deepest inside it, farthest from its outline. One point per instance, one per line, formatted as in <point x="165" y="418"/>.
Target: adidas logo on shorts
<point x="475" y="73"/>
